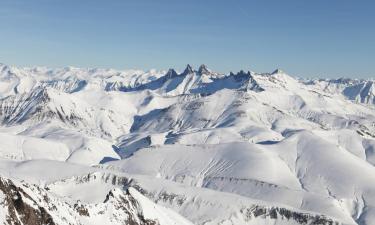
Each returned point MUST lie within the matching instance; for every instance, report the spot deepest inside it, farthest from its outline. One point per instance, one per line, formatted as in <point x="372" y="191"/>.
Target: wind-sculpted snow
<point x="100" y="146"/>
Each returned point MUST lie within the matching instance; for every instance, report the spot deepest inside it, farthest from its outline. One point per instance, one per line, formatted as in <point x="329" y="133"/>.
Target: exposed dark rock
<point x="203" y="70"/>
<point x="188" y="70"/>
<point x="20" y="212"/>
<point x="286" y="214"/>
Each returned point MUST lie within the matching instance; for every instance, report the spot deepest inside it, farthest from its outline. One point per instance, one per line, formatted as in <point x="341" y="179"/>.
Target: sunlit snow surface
<point x="189" y="147"/>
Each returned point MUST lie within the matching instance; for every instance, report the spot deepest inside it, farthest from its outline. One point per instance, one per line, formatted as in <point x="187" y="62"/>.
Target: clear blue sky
<point x="305" y="38"/>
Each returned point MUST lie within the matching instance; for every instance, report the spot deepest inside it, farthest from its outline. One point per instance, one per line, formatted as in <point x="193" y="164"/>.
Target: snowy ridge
<point x="362" y="91"/>
<point x="190" y="147"/>
<point x="29" y="204"/>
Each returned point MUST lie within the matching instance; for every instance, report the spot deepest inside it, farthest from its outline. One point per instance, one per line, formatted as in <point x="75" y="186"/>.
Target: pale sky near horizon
<point x="321" y="38"/>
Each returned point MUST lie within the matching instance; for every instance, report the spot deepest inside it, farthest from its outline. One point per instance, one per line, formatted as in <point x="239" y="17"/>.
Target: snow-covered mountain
<point x="100" y="146"/>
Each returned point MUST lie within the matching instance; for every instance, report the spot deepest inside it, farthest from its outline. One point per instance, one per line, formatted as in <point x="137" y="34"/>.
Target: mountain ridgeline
<point x="102" y="146"/>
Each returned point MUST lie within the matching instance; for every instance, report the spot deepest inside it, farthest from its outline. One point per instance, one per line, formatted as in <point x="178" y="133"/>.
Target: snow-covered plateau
<point x="101" y="146"/>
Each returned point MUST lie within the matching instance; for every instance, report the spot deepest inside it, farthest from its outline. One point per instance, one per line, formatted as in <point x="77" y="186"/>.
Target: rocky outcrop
<point x="20" y="208"/>
<point x="23" y="203"/>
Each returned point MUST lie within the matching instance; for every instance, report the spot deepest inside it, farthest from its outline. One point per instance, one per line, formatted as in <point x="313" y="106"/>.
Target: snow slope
<point x="190" y="147"/>
<point x="30" y="204"/>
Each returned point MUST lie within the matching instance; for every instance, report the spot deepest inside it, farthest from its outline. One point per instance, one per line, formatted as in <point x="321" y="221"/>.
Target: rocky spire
<point x="171" y="73"/>
<point x="203" y="70"/>
<point x="188" y="70"/>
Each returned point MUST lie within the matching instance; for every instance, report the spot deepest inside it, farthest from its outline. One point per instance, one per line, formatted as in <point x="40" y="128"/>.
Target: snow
<point x="196" y="147"/>
<point x="159" y="213"/>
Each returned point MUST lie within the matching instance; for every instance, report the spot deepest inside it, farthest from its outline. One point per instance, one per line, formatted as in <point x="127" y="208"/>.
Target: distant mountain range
<point x="101" y="146"/>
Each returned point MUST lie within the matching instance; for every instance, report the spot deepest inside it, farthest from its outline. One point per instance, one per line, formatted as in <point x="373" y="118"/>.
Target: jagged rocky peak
<point x="240" y="73"/>
<point x="203" y="70"/>
<point x="278" y="71"/>
<point x="188" y="70"/>
<point x="244" y="73"/>
<point x="171" y="73"/>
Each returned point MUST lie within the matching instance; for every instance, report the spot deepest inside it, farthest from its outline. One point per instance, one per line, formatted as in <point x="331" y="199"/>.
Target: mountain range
<point x="102" y="146"/>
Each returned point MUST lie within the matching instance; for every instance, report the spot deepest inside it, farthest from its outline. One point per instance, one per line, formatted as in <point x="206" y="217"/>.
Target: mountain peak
<point x="171" y="73"/>
<point x="203" y="70"/>
<point x="3" y="67"/>
<point x="277" y="71"/>
<point x="188" y="69"/>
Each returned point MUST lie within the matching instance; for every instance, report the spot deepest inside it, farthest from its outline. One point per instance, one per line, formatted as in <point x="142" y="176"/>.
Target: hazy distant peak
<point x="278" y="71"/>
